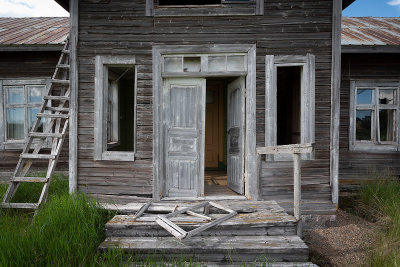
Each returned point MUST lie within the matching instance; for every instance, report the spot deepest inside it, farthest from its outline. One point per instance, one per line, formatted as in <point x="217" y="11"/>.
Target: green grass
<point x="65" y="232"/>
<point x="381" y="201"/>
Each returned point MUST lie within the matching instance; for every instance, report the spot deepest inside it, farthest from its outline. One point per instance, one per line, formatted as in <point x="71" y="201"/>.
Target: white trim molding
<point x="249" y="50"/>
<point x="307" y="116"/>
<point x="101" y="100"/>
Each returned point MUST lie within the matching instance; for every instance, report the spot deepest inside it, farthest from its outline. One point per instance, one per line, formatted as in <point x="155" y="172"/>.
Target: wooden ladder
<point x="46" y="138"/>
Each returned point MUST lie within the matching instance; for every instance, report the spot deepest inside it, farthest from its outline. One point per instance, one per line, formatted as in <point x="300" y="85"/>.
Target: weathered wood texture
<point x="289" y="27"/>
<point x="28" y="65"/>
<point x="355" y="167"/>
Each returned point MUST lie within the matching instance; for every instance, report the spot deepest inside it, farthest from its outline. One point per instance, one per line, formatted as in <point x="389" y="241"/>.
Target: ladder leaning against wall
<point x="46" y="137"/>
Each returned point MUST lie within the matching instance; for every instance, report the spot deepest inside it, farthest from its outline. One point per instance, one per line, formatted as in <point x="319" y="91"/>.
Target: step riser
<point x="156" y="231"/>
<point x="226" y="256"/>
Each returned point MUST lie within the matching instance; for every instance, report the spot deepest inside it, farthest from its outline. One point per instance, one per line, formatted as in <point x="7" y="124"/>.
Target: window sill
<point x="117" y="156"/>
<point x="373" y="148"/>
<point x="13" y="145"/>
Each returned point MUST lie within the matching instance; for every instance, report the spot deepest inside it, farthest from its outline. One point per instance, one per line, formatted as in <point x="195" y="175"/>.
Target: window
<point x="20" y="102"/>
<point x="289" y="102"/>
<point x="187" y="2"/>
<point x="115" y="98"/>
<point x="374" y="116"/>
<point x="176" y="8"/>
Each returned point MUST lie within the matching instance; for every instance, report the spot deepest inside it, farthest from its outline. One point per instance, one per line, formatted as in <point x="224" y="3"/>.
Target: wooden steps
<point x="261" y="232"/>
<point x="250" y="224"/>
<point x="215" y="249"/>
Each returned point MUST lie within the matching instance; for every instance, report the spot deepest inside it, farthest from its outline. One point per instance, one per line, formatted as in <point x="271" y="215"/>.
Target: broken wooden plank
<point x="210" y="224"/>
<point x="171" y="227"/>
<point x="198" y="215"/>
<point x="143" y="209"/>
<point x="192" y="208"/>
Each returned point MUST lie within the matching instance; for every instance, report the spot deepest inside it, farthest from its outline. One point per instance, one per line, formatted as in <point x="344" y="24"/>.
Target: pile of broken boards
<point x="254" y="233"/>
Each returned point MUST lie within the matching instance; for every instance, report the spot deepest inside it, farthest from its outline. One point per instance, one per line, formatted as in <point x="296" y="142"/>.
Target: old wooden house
<point x="369" y="126"/>
<point x="167" y="96"/>
<point x="29" y="51"/>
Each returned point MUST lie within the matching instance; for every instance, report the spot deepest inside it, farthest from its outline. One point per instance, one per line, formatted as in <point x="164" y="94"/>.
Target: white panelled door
<point x="235" y="134"/>
<point x="184" y="131"/>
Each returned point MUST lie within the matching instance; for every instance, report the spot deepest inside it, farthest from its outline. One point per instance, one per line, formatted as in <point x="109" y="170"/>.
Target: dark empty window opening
<point x="187" y="2"/>
<point x="120" y="108"/>
<point x="289" y="105"/>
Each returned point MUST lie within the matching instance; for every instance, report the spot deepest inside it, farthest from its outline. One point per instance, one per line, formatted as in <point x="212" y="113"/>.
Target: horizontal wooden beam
<point x="286" y="149"/>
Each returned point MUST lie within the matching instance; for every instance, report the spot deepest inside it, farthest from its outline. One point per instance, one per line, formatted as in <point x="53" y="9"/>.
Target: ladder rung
<point x="46" y="115"/>
<point x="57" y="109"/>
<point x="19" y="206"/>
<point x="63" y="66"/>
<point x="66" y="52"/>
<point x="55" y="135"/>
<point x="60" y="81"/>
<point x="37" y="156"/>
<point x="30" y="179"/>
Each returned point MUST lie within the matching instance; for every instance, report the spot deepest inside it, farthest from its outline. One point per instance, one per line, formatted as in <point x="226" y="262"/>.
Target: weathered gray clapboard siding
<point x="28" y="65"/>
<point x="355" y="166"/>
<point x="288" y="27"/>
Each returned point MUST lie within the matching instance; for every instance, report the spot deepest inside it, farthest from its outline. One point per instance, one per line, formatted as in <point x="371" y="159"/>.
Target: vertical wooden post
<point x="297" y="191"/>
<point x="73" y="77"/>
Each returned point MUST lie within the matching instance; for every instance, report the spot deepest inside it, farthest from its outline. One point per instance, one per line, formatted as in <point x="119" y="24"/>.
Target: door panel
<point x="183" y="124"/>
<point x="236" y="135"/>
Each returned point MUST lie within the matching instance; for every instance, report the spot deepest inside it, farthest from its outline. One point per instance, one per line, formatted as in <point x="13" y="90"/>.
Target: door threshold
<point x="209" y="198"/>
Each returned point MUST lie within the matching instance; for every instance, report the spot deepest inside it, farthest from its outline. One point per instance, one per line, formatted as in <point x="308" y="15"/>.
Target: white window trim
<point x="15" y="144"/>
<point x="372" y="146"/>
<point x="100" y="123"/>
<point x="307" y="116"/>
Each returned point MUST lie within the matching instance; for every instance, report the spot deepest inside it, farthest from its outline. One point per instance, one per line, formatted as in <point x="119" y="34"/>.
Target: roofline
<point x="32" y="48"/>
<point x="370" y="49"/>
<point x="65" y="3"/>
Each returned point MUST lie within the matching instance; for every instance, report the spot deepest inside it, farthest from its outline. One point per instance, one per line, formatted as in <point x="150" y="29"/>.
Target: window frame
<point x="307" y="116"/>
<point x="374" y="145"/>
<point x="226" y="8"/>
<point x="17" y="144"/>
<point x="101" y="101"/>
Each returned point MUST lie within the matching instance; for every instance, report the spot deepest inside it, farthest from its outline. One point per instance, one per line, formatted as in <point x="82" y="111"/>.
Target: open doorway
<point x="222" y="111"/>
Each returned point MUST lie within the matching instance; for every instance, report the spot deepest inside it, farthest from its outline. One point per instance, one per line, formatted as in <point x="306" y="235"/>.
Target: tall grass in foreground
<point x="65" y="232"/>
<point x="383" y="201"/>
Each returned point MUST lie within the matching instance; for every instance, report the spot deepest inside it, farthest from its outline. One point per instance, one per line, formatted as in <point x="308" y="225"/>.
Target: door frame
<point x="250" y="168"/>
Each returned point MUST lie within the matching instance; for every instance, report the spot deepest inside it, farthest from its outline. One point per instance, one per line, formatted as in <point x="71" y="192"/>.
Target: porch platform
<point x="261" y="232"/>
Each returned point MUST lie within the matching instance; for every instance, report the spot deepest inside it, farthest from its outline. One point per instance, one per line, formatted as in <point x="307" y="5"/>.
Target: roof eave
<point x="346" y="3"/>
<point x="31" y="48"/>
<point x="370" y="49"/>
<point x="65" y="3"/>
